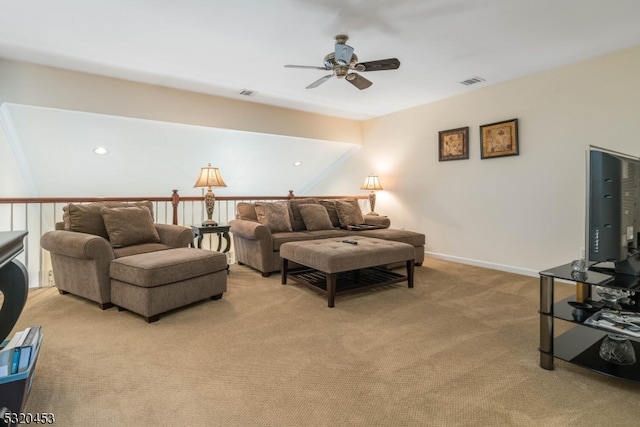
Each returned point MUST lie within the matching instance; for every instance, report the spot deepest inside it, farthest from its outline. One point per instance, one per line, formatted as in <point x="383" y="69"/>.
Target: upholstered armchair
<point x="92" y="235"/>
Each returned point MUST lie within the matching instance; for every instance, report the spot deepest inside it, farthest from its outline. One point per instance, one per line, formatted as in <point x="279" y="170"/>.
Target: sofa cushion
<point x="330" y="206"/>
<point x="315" y="217"/>
<point x="297" y="222"/>
<point x="246" y="211"/>
<point x="349" y="212"/>
<point x="274" y="216"/>
<point x="129" y="226"/>
<point x="140" y="249"/>
<point x="404" y="236"/>
<point x="87" y="218"/>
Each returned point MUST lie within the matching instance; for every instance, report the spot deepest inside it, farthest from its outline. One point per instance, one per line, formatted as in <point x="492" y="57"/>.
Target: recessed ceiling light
<point x="100" y="150"/>
<point x="298" y="163"/>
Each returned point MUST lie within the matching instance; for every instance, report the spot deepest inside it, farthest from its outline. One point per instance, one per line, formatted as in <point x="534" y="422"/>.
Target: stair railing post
<point x="175" y="201"/>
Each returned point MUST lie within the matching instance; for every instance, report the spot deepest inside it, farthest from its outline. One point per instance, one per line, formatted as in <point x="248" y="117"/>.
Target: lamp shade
<point x="371" y="183"/>
<point x="210" y="177"/>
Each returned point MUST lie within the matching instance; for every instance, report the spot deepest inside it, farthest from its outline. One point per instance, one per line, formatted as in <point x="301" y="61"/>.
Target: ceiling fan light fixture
<point x="342" y="60"/>
<point x="343" y="54"/>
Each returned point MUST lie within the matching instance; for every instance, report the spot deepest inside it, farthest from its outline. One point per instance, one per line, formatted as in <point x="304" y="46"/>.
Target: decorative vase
<point x="579" y="265"/>
<point x="616" y="348"/>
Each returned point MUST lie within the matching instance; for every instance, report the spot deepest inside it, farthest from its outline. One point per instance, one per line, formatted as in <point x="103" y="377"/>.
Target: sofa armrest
<point x="175" y="236"/>
<point x="377" y="220"/>
<point x="249" y="229"/>
<point x="77" y="245"/>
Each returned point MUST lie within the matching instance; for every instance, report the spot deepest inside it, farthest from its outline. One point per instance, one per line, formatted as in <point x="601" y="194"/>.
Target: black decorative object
<point x="14" y="280"/>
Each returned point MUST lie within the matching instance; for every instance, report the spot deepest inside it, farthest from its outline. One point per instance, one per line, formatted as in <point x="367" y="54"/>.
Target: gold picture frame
<point x="499" y="139"/>
<point x="453" y="144"/>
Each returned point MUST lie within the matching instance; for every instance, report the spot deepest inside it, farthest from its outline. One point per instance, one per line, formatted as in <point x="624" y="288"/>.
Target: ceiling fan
<point x="342" y="63"/>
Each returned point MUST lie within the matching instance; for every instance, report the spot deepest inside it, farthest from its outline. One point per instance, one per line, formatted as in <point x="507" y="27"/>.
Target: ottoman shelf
<point x="347" y="281"/>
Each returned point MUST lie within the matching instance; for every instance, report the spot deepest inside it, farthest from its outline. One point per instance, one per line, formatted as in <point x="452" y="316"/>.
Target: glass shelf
<point x="580" y="344"/>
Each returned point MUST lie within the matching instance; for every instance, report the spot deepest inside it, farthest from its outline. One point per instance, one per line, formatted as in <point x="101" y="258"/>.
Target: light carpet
<point x="459" y="349"/>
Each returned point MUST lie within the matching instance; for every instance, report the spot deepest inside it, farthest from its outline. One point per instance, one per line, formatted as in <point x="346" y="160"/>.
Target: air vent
<point x="472" y="80"/>
<point x="247" y="92"/>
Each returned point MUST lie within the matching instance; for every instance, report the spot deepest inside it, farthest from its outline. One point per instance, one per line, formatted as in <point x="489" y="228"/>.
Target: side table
<point x="221" y="230"/>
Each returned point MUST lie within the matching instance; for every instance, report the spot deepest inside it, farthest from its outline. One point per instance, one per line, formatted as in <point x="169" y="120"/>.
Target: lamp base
<point x="209" y="223"/>
<point x="372" y="213"/>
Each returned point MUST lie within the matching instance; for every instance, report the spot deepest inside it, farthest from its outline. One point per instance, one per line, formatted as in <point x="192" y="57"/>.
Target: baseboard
<point x="484" y="264"/>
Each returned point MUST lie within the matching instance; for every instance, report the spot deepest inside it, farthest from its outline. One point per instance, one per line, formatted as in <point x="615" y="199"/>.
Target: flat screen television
<point x="613" y="211"/>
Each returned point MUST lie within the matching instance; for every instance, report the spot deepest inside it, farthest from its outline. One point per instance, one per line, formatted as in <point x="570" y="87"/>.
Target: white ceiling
<point x="222" y="47"/>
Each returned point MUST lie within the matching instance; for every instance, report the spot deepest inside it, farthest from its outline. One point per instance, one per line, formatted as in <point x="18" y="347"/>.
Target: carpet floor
<point x="459" y="349"/>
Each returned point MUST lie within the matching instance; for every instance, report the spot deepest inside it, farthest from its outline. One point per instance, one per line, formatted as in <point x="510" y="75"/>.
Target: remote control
<point x="351" y="242"/>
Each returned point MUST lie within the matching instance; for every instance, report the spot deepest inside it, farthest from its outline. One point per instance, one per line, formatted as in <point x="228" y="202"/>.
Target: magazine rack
<point x="14" y="389"/>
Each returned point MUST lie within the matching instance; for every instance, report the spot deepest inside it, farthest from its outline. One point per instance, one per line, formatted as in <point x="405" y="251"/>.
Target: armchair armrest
<point x="80" y="263"/>
<point x="377" y="220"/>
<point x="253" y="245"/>
<point x="249" y="229"/>
<point x="77" y="245"/>
<point x="175" y="236"/>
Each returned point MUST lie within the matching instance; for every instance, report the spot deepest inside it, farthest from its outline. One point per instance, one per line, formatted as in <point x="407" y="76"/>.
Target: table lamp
<point x="372" y="183"/>
<point x="209" y="177"/>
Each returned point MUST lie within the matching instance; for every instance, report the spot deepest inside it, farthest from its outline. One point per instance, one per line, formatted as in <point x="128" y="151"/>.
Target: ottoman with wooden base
<point x="153" y="283"/>
<point x="342" y="264"/>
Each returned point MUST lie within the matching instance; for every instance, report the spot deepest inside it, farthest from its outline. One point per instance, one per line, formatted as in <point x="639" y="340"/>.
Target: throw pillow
<point x="349" y="212"/>
<point x="129" y="226"/>
<point x="87" y="217"/>
<point x="330" y="206"/>
<point x="315" y="217"/>
<point x="297" y="223"/>
<point x="246" y="211"/>
<point x="274" y="216"/>
<point x="84" y="218"/>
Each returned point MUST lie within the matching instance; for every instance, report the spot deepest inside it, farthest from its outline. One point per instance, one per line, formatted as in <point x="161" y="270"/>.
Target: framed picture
<point x="453" y="144"/>
<point x="499" y="139"/>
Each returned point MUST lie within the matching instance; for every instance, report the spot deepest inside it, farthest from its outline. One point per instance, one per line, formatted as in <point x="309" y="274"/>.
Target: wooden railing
<point x="39" y="215"/>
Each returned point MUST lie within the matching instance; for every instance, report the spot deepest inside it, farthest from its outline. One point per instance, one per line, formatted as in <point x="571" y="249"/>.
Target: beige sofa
<point x="261" y="228"/>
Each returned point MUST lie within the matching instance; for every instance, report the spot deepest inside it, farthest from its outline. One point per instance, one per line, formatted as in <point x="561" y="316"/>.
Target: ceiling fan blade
<point x="309" y="67"/>
<point x="383" y="64"/>
<point x="358" y="81"/>
<point x="319" y="81"/>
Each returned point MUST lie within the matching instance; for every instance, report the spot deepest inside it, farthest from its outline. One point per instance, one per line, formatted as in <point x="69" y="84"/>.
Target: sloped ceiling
<point x="54" y="150"/>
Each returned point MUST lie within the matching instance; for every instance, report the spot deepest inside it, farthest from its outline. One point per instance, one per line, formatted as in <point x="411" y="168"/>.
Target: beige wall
<point x="522" y="213"/>
<point x="29" y="84"/>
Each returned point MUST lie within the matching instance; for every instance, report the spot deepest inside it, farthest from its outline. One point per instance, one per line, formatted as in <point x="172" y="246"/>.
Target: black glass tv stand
<point x="580" y="344"/>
